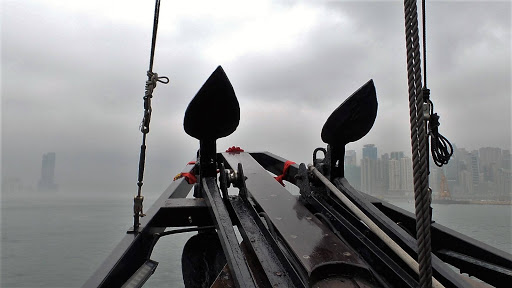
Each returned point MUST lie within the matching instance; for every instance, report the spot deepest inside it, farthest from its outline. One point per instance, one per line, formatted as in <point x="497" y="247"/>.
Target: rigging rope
<point x="153" y="78"/>
<point x="419" y="142"/>
<point x="441" y="148"/>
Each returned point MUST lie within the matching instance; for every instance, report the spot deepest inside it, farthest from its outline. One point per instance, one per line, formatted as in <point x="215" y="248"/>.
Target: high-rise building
<point x="400" y="175"/>
<point x="47" y="181"/>
<point x="506" y="160"/>
<point x="504" y="182"/>
<point x="350" y="158"/>
<point x="369" y="175"/>
<point x="352" y="171"/>
<point x="490" y="160"/>
<point x="397" y="155"/>
<point x="383" y="173"/>
<point x="434" y="178"/>
<point x="406" y="174"/>
<point x="475" y="170"/>
<point x="369" y="172"/>
<point x="370" y="151"/>
<point x="394" y="175"/>
<point x="353" y="176"/>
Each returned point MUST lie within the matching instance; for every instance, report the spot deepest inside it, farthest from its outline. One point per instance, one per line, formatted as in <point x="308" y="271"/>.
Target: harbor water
<point x="60" y="242"/>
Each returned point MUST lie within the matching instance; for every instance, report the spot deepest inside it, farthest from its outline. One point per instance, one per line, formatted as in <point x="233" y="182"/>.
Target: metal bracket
<point x="302" y="181"/>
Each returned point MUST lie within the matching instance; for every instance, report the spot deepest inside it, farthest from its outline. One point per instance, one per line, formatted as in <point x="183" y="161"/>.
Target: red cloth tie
<point x="234" y="149"/>
<point x="285" y="169"/>
<point x="190" y="177"/>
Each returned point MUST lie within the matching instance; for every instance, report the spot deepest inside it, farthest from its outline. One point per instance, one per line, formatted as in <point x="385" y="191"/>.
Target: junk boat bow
<point x="311" y="240"/>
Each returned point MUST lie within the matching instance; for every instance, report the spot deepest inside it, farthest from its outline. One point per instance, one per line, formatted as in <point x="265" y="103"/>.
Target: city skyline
<point x="400" y="165"/>
<point x="408" y="153"/>
<point x="290" y="64"/>
<point x="483" y="174"/>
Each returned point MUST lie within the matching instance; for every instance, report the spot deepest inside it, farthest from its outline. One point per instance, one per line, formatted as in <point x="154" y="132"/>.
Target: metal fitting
<point x="426" y="111"/>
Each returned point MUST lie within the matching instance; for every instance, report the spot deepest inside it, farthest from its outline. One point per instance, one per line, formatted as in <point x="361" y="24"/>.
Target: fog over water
<point x="73" y="75"/>
<point x="72" y="82"/>
<point x="61" y="242"/>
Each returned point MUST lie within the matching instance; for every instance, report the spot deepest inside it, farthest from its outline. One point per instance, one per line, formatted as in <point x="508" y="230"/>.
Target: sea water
<point x="60" y="242"/>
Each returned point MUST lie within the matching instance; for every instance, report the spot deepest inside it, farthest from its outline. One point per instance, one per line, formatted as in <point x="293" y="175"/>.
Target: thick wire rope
<point x="419" y="142"/>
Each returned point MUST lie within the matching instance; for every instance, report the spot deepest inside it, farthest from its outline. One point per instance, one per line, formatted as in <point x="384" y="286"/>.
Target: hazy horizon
<point x="73" y="75"/>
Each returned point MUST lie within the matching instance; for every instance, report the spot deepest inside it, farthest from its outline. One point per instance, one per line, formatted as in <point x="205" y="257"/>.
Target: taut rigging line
<point x="153" y="78"/>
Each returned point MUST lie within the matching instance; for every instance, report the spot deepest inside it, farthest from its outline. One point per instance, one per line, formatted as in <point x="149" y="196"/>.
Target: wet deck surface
<point x="313" y="244"/>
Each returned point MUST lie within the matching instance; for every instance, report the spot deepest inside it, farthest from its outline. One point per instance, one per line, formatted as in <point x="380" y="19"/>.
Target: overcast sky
<point x="73" y="75"/>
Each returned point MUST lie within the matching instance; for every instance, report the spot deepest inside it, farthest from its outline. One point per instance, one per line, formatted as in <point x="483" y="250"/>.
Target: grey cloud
<point x="74" y="83"/>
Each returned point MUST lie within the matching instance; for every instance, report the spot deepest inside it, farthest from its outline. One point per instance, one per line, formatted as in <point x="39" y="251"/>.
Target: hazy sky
<point x="73" y="75"/>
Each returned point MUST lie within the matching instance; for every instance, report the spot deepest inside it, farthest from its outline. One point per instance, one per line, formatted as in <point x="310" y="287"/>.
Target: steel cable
<point x="153" y="78"/>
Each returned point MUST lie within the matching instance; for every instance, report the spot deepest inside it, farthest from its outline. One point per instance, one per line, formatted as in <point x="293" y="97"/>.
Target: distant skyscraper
<point x="506" y="160"/>
<point x="370" y="151"/>
<point x="475" y="170"/>
<point x="350" y="157"/>
<point x="504" y="183"/>
<point x="489" y="155"/>
<point x="394" y="175"/>
<point x="397" y="155"/>
<point x="47" y="181"/>
<point x="490" y="161"/>
<point x="369" y="175"/>
<point x="352" y="171"/>
<point x="406" y="174"/>
<point x="383" y="173"/>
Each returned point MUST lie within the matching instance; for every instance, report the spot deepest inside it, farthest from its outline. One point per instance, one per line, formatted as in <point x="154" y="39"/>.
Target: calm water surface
<point x="60" y="243"/>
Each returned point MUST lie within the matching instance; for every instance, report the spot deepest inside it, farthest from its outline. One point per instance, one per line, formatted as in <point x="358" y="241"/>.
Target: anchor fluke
<point x="214" y="112"/>
<point x="353" y="119"/>
<point x="348" y="123"/>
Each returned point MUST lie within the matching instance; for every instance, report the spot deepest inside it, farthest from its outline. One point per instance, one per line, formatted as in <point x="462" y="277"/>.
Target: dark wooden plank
<point x="312" y="243"/>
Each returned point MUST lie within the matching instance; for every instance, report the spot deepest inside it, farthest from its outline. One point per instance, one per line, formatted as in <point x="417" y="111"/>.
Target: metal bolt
<point x="279" y="273"/>
<point x="346" y="254"/>
<point x="190" y="219"/>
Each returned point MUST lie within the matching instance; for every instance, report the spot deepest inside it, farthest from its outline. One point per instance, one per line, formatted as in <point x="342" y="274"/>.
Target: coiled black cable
<point x="440" y="147"/>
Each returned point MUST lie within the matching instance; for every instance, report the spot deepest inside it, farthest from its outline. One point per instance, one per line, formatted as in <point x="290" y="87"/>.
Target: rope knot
<point x="426" y="94"/>
<point x="153" y="78"/>
<point x="434" y="123"/>
<point x="440" y="147"/>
